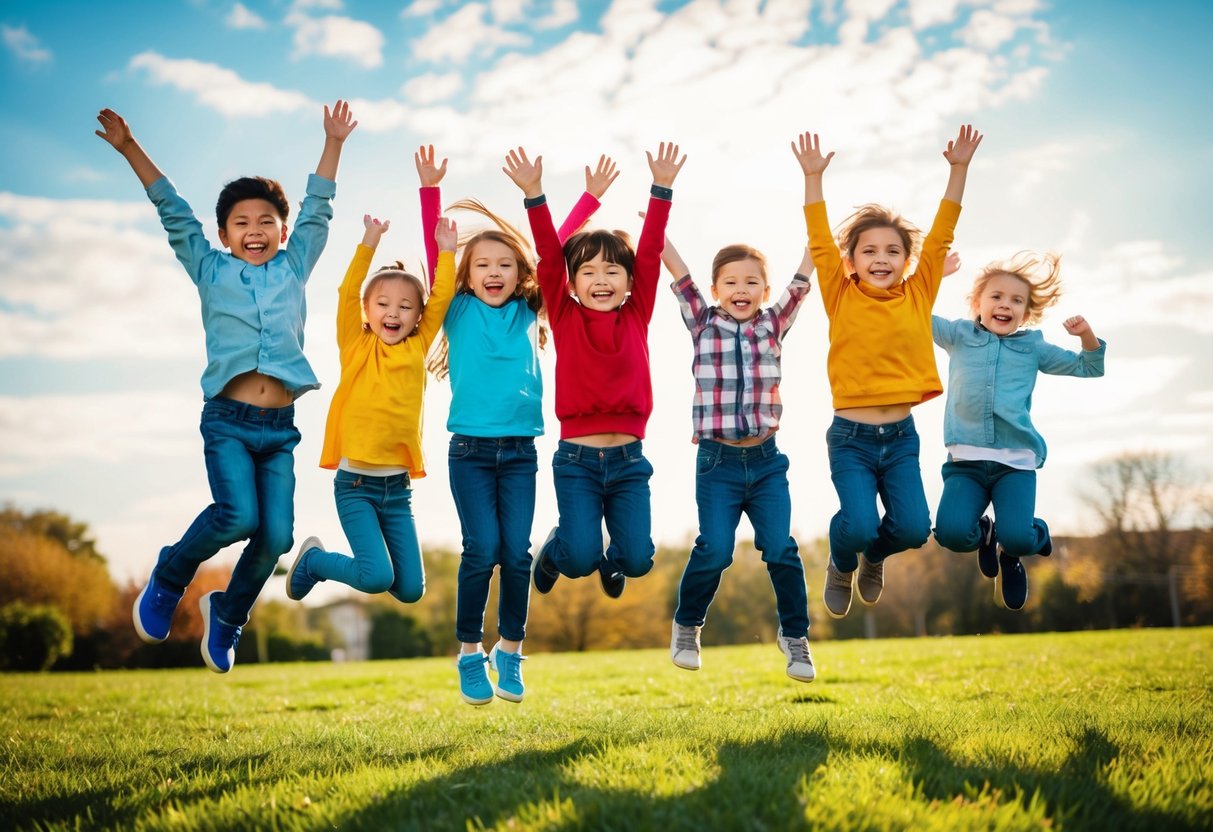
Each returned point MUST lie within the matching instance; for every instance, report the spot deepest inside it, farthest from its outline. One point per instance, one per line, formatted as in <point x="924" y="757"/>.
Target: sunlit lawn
<point x="1107" y="730"/>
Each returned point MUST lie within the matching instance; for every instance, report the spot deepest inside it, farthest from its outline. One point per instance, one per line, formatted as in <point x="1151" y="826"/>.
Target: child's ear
<point x="766" y="293"/>
<point x="715" y="295"/>
<point x="283" y="240"/>
<point x="223" y="237"/>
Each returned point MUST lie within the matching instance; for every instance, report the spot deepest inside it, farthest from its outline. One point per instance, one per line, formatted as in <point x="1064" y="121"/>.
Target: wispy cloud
<point x="432" y="87"/>
<point x="464" y="33"/>
<point x="241" y="17"/>
<point x="337" y="37"/>
<point x="23" y="44"/>
<point x="421" y="8"/>
<point x="220" y="88"/>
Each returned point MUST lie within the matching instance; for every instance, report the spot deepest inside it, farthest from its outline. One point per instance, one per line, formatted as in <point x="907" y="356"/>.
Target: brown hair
<point x="396" y="271"/>
<point x="528" y="283"/>
<point x="614" y="246"/>
<point x="736" y="253"/>
<point x="871" y="216"/>
<point x="1040" y="272"/>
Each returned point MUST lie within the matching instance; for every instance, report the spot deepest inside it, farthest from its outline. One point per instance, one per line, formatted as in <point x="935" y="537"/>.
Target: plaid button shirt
<point x="736" y="364"/>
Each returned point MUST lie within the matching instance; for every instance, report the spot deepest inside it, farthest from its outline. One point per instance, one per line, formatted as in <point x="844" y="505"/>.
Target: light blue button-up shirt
<point x="991" y="379"/>
<point x="253" y="315"/>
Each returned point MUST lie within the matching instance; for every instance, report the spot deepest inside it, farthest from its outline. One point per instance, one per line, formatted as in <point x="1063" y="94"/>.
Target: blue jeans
<point x="493" y="483"/>
<point x="597" y="483"/>
<point x="250" y="463"/>
<point x="728" y="481"/>
<point x="867" y="461"/>
<point x="377" y="517"/>
<point x="968" y="487"/>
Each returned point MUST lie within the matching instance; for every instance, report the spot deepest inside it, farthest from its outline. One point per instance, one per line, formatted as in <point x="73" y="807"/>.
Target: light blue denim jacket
<point x="991" y="378"/>
<point x="253" y="315"/>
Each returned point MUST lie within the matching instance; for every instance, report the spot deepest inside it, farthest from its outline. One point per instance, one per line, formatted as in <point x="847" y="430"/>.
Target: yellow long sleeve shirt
<point x="375" y="416"/>
<point x="881" y="351"/>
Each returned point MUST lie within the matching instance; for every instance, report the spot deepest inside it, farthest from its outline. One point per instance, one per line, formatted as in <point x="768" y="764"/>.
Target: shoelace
<point x="837" y="580"/>
<point x="687" y="639"/>
<point x="510" y="667"/>
<point x="798" y="650"/>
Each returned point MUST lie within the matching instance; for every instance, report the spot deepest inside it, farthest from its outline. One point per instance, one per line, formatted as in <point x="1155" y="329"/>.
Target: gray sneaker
<point x="684" y="646"/>
<point x="870" y="581"/>
<point x="800" y="663"/>
<point x="837" y="593"/>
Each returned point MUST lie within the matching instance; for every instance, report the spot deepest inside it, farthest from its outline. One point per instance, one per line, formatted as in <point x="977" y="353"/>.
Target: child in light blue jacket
<point x="993" y="448"/>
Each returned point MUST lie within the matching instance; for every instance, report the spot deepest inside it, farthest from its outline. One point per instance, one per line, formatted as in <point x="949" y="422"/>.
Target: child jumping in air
<point x="253" y="313"/>
<point x="599" y="296"/>
<point x="493" y="337"/>
<point x="880" y="364"/>
<point x="738" y="466"/>
<point x="373" y="434"/>
<point x="993" y="448"/>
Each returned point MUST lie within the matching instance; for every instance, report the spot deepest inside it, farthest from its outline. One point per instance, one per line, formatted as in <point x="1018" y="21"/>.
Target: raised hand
<point x="597" y="182"/>
<point x="340" y="122"/>
<point x="807" y="149"/>
<point x="114" y="129"/>
<point x="961" y="149"/>
<point x="527" y="175"/>
<point x="374" y="230"/>
<point x="427" y="172"/>
<point x="1077" y="326"/>
<point x="446" y="234"/>
<point x="667" y="164"/>
<point x="951" y="263"/>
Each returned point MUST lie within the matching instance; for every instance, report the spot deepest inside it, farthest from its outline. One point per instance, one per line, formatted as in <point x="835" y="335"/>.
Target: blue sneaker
<point x="219" y="640"/>
<point x="153" y="611"/>
<point x="1012" y="581"/>
<point x="299" y="581"/>
<point x="474" y="684"/>
<point x="546" y="572"/>
<point x="987" y="548"/>
<point x="508" y="667"/>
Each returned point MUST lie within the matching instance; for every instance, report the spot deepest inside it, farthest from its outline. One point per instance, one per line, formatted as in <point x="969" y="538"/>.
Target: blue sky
<point x="1096" y="146"/>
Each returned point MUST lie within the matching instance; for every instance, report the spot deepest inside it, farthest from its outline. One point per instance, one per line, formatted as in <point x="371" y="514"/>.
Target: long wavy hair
<point x="1041" y="273"/>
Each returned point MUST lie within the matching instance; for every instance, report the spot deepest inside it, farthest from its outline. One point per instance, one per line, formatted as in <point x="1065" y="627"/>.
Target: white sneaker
<point x="684" y="646"/>
<point x="800" y="662"/>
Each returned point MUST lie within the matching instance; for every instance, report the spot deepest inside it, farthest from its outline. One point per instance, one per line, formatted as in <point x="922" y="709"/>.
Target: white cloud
<point x="22" y="43"/>
<point x="989" y="30"/>
<point x="328" y="5"/>
<point x="462" y="34"/>
<point x="220" y="88"/>
<point x="508" y="11"/>
<point x="421" y="8"/>
<point x="241" y="17"/>
<point x="563" y="13"/>
<point x="337" y="37"/>
<point x="924" y="13"/>
<point x="432" y="87"/>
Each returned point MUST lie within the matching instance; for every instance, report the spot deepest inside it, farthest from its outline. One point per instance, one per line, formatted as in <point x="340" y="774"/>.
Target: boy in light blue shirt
<point x="253" y="312"/>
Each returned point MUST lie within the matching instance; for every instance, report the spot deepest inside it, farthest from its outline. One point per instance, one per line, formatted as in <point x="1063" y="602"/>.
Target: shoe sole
<point x="205" y="606"/>
<point x="290" y="573"/>
<point x="682" y="665"/>
<point x="476" y="702"/>
<point x="143" y="634"/>
<point x="802" y="678"/>
<point x="501" y="694"/>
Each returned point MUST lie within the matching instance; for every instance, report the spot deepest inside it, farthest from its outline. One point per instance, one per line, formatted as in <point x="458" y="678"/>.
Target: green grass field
<point x="1105" y="730"/>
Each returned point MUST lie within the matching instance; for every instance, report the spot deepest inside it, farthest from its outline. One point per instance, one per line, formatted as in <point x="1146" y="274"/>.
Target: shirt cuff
<point x="534" y="201"/>
<point x="321" y="187"/>
<point x="662" y="192"/>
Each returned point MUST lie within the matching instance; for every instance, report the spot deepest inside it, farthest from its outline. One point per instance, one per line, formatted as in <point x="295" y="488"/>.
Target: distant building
<point x="351" y="621"/>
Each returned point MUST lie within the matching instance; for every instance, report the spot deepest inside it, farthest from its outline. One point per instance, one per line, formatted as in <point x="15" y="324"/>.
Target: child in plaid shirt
<point x="739" y="468"/>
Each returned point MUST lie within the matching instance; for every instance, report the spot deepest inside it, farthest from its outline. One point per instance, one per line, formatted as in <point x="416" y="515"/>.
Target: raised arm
<point x="596" y="184"/>
<point x="430" y="175"/>
<point x="959" y="153"/>
<point x="552" y="272"/>
<point x="349" y="294"/>
<point x="117" y="132"/>
<point x="1079" y="328"/>
<point x="338" y="125"/>
<point x="807" y="149"/>
<point x="446" y="235"/>
<point x="647" y="269"/>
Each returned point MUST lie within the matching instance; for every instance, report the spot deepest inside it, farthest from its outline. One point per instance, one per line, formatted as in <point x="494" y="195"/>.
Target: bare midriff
<point x="257" y="389"/>
<point x="877" y="415"/>
<point x="748" y="442"/>
<point x="603" y="440"/>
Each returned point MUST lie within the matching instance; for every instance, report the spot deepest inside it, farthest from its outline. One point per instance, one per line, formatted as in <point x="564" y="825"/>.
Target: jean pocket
<point x="705" y="463"/>
<point x="459" y="449"/>
<point x="563" y="459"/>
<point x="527" y="450"/>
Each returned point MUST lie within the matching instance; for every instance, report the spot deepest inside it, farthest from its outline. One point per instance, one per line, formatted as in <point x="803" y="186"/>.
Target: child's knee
<point x="408" y="593"/>
<point x="1017" y="543"/>
<point x="635" y="558"/>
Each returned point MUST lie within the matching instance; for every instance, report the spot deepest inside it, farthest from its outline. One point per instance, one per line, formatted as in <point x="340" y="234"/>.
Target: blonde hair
<point x="396" y="271"/>
<point x="1041" y="273"/>
<point x="871" y="216"/>
<point x="528" y="283"/>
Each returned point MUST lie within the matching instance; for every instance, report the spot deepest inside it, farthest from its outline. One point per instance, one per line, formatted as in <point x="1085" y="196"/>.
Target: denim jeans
<point x="968" y="487"/>
<point x="493" y="483"/>
<point x="728" y="481"/>
<point x="250" y="463"/>
<point x="593" y="484"/>
<point x="867" y="461"/>
<point x="377" y="517"/>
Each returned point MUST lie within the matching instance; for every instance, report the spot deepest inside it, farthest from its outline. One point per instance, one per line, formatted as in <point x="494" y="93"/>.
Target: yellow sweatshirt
<point x="375" y="416"/>
<point x="881" y="351"/>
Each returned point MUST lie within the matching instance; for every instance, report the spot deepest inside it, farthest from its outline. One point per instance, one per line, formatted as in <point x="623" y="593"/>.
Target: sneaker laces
<point x="164" y="601"/>
<point x="798" y="650"/>
<point x="687" y="638"/>
<point x="509" y="665"/>
<point x="837" y="580"/>
<point x="866" y="567"/>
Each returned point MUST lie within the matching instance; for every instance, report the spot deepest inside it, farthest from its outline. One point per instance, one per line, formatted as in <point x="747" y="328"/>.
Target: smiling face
<point x="492" y="272"/>
<point x="1002" y="305"/>
<point x="741" y="288"/>
<point x="254" y="230"/>
<point x="600" y="284"/>
<point x="879" y="257"/>
<point x="393" y="308"/>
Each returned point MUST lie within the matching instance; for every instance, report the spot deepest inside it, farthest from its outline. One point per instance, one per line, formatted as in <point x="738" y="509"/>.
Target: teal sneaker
<point x="219" y="639"/>
<point x="153" y="611"/>
<point x="474" y="684"/>
<point x="299" y="581"/>
<point x="508" y="667"/>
